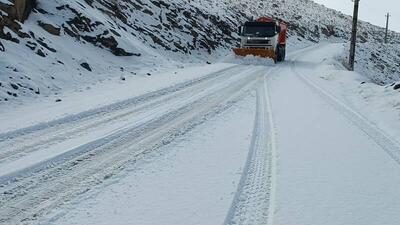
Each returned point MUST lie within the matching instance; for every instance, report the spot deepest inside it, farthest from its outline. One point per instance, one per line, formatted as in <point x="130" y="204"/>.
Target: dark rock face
<point x="396" y="87"/>
<point x="50" y="28"/>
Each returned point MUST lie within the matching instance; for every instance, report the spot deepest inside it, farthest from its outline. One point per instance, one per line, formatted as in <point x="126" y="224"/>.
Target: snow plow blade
<point x="255" y="52"/>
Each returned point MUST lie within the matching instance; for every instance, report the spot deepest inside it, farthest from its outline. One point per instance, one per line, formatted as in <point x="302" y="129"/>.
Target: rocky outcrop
<point x="50" y="28"/>
<point x="23" y="8"/>
<point x="19" y="9"/>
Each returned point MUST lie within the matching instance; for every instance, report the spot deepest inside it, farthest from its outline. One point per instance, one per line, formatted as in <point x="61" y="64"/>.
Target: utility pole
<point x="387" y="28"/>
<point x="353" y="36"/>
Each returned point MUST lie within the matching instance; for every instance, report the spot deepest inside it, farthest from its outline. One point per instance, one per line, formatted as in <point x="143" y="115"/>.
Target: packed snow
<point x="183" y="183"/>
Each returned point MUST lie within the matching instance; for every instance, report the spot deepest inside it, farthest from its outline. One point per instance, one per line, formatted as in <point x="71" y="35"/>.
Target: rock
<point x="396" y="87"/>
<point x="46" y="46"/>
<point x="58" y="100"/>
<point x="121" y="52"/>
<point x="12" y="94"/>
<point x="40" y="53"/>
<point x="14" y="86"/>
<point x="2" y="49"/>
<point x="329" y="30"/>
<point x="50" y="28"/>
<point x="31" y="45"/>
<point x="108" y="42"/>
<point x="86" y="66"/>
<point x="23" y="8"/>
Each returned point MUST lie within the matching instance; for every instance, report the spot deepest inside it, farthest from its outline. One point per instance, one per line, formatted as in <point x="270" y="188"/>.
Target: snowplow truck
<point x="264" y="37"/>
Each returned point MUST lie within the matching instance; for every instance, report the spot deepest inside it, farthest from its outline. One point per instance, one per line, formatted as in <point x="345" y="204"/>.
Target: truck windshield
<point x="259" y="29"/>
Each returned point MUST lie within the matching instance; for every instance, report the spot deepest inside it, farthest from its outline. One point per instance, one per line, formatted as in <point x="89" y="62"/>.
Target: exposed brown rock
<point x="23" y="8"/>
<point x="19" y="10"/>
<point x="50" y="28"/>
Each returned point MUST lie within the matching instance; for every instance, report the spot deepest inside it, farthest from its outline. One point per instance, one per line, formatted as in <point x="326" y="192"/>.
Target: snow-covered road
<point x="334" y="166"/>
<point x="248" y="143"/>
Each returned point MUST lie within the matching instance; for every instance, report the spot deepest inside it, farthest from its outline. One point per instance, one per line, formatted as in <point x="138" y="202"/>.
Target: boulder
<point x="50" y="28"/>
<point x="86" y="66"/>
<point x="16" y="12"/>
<point x="20" y="9"/>
<point x="23" y="8"/>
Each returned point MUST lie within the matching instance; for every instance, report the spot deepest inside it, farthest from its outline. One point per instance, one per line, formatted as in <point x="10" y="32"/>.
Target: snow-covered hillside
<point x="69" y="44"/>
<point x="66" y="43"/>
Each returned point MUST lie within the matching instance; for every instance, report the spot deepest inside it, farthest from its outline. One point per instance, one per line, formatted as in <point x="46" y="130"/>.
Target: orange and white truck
<point x="264" y="37"/>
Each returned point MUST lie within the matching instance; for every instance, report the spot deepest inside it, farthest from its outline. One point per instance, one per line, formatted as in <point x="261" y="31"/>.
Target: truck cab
<point x="259" y="35"/>
<point x="264" y="37"/>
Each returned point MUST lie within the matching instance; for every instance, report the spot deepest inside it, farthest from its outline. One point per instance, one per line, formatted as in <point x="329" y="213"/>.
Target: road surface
<point x="251" y="143"/>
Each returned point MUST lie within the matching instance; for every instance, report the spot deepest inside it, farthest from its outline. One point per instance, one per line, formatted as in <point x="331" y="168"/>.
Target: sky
<point x="372" y="11"/>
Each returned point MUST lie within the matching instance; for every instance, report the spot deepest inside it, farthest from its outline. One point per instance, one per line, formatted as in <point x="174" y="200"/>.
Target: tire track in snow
<point x="110" y="108"/>
<point x="13" y="148"/>
<point x="134" y="128"/>
<point x="38" y="193"/>
<point x="253" y="202"/>
<point x="387" y="143"/>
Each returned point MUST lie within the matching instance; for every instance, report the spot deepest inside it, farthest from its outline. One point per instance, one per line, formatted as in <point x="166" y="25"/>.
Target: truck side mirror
<point x="278" y="29"/>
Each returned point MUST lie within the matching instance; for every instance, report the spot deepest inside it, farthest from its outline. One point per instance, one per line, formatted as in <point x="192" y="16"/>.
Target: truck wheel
<point x="281" y="53"/>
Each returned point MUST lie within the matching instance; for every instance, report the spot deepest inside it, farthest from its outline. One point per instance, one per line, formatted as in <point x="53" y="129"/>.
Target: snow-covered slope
<point x="379" y="62"/>
<point x="67" y="43"/>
